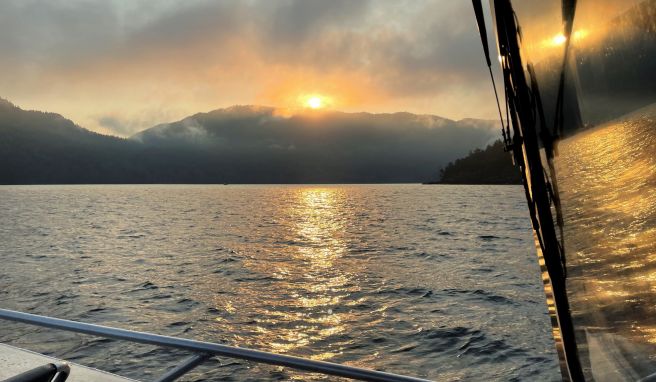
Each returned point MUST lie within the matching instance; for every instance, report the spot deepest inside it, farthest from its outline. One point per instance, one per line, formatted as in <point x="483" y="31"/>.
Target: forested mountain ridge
<point x="40" y="147"/>
<point x="242" y="144"/>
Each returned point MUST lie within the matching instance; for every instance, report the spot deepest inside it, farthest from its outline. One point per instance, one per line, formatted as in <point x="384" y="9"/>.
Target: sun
<point x="558" y="39"/>
<point x="314" y="102"/>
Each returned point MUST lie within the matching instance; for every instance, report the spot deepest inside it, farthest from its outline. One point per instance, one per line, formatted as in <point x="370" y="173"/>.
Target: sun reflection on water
<point x="303" y="304"/>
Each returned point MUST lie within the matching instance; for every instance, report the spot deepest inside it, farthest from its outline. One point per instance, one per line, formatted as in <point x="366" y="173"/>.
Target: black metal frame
<point x="524" y="108"/>
<point x="539" y="192"/>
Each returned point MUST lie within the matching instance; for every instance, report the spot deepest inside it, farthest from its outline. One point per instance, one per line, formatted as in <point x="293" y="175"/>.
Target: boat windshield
<point x="590" y="66"/>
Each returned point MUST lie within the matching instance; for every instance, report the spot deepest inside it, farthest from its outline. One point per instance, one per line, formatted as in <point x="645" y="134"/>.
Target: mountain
<point x="260" y="146"/>
<point x="38" y="147"/>
<point x="241" y="144"/>
<point x="491" y="165"/>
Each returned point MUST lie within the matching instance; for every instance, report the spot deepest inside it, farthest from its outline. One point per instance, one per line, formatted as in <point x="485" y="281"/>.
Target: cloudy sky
<point x="120" y="66"/>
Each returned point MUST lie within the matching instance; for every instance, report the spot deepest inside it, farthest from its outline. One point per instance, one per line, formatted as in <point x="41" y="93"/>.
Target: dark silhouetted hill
<point x="245" y="144"/>
<point x="38" y="147"/>
<point x="491" y="165"/>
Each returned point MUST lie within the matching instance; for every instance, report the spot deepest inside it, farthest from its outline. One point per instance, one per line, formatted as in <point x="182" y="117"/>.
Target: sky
<point x="121" y="66"/>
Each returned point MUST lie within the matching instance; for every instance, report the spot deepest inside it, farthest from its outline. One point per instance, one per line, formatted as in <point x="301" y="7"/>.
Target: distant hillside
<point x="245" y="144"/>
<point x="38" y="147"/>
<point x="489" y="166"/>
<point x="252" y="144"/>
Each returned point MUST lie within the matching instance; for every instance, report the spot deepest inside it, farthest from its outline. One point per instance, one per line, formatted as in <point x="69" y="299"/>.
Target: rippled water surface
<point x="439" y="282"/>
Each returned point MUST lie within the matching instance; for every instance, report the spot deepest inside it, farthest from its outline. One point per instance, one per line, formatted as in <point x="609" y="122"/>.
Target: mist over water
<point x="439" y="282"/>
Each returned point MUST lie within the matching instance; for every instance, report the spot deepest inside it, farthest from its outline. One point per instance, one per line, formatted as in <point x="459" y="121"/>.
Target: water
<point x="439" y="282"/>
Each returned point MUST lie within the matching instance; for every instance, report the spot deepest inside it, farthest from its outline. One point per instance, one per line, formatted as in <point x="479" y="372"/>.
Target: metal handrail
<point x="200" y="347"/>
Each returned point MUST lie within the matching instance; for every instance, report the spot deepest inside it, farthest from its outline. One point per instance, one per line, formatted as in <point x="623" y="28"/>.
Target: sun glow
<point x="558" y="39"/>
<point x="314" y="102"/>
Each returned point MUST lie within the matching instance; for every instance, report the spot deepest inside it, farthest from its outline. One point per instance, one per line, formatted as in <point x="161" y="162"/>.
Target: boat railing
<point x="202" y="351"/>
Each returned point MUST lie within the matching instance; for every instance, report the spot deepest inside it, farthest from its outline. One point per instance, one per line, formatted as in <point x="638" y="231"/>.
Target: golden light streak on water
<point x="307" y="273"/>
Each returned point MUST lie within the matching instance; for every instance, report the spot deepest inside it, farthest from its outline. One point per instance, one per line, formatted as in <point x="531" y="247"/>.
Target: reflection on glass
<point x="607" y="177"/>
<point x="605" y="170"/>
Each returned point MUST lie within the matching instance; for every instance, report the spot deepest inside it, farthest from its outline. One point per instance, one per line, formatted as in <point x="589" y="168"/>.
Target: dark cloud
<point x="426" y="38"/>
<point x="299" y="21"/>
<point x="44" y="33"/>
